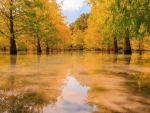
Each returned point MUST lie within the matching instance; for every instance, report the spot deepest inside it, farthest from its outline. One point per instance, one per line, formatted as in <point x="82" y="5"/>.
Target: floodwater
<point x="75" y="82"/>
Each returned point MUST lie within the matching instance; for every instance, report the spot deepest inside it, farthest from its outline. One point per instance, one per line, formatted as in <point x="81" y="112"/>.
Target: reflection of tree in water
<point x="115" y="58"/>
<point x="139" y="80"/>
<point x="13" y="59"/>
<point x="14" y="99"/>
<point x="108" y="92"/>
<point x="127" y="59"/>
<point x="38" y="59"/>
<point x="27" y="93"/>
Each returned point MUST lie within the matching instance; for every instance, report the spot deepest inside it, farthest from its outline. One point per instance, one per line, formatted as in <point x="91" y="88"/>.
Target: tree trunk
<point x="127" y="45"/>
<point x="13" y="49"/>
<point x="115" y="45"/>
<point x="108" y="48"/>
<point x="140" y="46"/>
<point x="38" y="46"/>
<point x="47" y="50"/>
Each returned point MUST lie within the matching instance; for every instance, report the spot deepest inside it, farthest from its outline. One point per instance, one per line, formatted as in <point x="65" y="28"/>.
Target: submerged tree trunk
<point x="47" y="49"/>
<point x="127" y="45"/>
<point x="115" y="45"/>
<point x="13" y="49"/>
<point x="38" y="46"/>
<point x="140" y="46"/>
<point x="108" y="49"/>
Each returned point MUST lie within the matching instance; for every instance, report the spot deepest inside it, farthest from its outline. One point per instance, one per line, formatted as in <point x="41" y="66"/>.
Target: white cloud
<point x="71" y="5"/>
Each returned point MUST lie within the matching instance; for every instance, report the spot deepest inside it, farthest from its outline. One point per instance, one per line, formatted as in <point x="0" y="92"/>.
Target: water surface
<point x="76" y="82"/>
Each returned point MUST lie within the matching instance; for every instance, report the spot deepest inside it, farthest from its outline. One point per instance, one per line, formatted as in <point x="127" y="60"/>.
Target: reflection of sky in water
<point x="72" y="99"/>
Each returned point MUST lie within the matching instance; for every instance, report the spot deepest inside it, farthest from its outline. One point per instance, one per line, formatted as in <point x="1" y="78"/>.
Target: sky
<point x="73" y="8"/>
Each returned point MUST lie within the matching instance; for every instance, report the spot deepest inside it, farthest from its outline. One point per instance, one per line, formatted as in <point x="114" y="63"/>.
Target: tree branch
<point x="4" y="13"/>
<point x="18" y="15"/>
<point x="3" y="33"/>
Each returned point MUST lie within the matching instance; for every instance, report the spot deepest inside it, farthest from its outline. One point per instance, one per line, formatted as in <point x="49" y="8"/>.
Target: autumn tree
<point x="35" y="20"/>
<point x="120" y="20"/>
<point x="61" y="35"/>
<point x="45" y="23"/>
<point x="98" y="33"/>
<point x="77" y="29"/>
<point x="10" y="13"/>
<point x="134" y="17"/>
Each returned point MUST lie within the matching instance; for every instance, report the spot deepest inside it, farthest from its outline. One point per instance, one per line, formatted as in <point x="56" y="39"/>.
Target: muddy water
<point x="77" y="82"/>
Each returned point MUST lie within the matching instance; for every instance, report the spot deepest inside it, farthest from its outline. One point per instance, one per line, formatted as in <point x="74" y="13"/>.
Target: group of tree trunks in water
<point x="113" y="25"/>
<point x="110" y="25"/>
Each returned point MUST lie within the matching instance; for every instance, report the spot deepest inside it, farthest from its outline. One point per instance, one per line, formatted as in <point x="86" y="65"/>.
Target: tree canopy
<point x="40" y="25"/>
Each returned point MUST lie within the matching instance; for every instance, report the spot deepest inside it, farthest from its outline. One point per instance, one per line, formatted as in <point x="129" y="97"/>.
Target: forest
<point x="39" y="25"/>
<point x="100" y="63"/>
